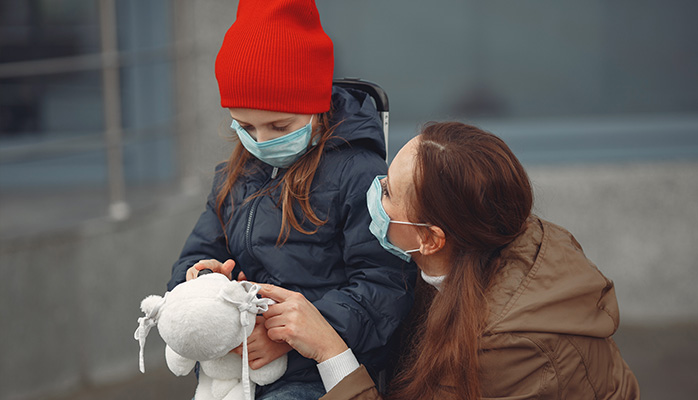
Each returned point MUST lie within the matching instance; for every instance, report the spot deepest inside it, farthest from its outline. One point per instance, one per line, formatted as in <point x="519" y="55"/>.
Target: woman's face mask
<point x="280" y="152"/>
<point x="380" y="221"/>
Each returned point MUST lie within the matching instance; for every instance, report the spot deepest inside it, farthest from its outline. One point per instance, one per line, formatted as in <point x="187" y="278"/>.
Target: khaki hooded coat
<point x="552" y="314"/>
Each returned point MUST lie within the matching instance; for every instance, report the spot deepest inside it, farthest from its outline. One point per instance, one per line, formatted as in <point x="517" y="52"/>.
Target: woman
<point x="288" y="207"/>
<point x="518" y="311"/>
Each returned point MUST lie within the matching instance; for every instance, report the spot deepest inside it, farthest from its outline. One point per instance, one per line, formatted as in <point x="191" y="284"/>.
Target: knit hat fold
<point x="276" y="57"/>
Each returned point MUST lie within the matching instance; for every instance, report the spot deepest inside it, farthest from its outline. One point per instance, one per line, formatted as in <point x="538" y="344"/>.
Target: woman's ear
<point x="432" y="242"/>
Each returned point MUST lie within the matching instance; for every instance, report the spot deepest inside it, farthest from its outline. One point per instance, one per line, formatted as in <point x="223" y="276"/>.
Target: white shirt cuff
<point x="336" y="368"/>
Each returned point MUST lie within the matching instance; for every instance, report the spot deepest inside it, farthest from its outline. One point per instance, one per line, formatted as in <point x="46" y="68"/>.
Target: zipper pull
<point x="274" y="172"/>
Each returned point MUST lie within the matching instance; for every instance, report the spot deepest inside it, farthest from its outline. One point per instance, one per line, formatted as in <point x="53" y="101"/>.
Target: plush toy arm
<point x="270" y="372"/>
<point x="179" y="365"/>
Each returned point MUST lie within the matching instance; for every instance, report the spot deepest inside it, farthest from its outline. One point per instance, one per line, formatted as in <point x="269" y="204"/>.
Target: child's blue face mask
<point x="280" y="152"/>
<point x="380" y="221"/>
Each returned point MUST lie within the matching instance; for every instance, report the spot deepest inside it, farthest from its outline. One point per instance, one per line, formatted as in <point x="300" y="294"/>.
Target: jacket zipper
<point x="251" y="214"/>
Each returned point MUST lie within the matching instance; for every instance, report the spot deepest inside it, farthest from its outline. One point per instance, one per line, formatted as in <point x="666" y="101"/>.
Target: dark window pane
<point x="33" y="30"/>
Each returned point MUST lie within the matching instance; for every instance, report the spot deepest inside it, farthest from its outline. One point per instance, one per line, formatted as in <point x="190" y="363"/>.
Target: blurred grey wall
<point x="70" y="291"/>
<point x="533" y="58"/>
<point x="74" y="277"/>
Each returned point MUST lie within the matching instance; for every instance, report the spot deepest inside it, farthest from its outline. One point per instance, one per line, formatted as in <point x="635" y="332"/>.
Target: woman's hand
<point x="260" y="349"/>
<point x="296" y="321"/>
<point x="225" y="268"/>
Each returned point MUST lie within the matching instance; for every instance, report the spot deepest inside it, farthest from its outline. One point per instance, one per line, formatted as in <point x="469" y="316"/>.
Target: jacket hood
<point x="358" y="121"/>
<point x="548" y="285"/>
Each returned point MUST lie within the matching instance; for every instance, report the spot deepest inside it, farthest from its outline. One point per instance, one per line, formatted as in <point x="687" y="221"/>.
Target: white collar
<point x="435" y="281"/>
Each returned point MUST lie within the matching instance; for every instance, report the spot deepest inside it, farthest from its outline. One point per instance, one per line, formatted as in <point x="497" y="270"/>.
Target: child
<point x="288" y="208"/>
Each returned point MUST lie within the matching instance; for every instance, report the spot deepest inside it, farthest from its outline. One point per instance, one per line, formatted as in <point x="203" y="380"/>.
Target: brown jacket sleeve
<point x="356" y="386"/>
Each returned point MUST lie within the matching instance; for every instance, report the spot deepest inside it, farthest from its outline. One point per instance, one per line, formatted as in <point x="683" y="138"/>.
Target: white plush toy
<point x="202" y="320"/>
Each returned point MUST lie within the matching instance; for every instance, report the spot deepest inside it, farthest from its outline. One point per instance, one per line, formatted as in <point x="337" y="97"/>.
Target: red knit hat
<point x="277" y="57"/>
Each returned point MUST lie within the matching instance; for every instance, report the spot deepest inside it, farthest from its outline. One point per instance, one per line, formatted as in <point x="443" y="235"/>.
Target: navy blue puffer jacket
<point x="362" y="290"/>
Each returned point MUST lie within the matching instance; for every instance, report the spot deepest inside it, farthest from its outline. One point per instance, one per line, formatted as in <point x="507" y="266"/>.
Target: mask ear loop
<point x="413" y="224"/>
<point x="144" y="325"/>
<point x="249" y="304"/>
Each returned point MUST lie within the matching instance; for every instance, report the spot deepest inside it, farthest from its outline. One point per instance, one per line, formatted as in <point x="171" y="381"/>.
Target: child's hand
<point x="296" y="321"/>
<point x="262" y="350"/>
<point x="225" y="268"/>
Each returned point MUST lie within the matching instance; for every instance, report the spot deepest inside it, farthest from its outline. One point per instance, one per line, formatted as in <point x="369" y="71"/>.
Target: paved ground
<point x="664" y="359"/>
<point x="154" y="385"/>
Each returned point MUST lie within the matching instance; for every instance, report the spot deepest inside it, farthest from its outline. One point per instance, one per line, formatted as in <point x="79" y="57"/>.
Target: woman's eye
<point x="248" y="128"/>
<point x="384" y="189"/>
<point x="280" y="128"/>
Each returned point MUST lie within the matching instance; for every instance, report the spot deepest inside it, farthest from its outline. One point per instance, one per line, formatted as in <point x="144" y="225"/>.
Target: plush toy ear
<point x="151" y="306"/>
<point x="150" y="303"/>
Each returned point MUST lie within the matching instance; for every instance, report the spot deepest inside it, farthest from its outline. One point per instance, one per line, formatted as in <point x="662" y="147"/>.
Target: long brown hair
<point x="295" y="184"/>
<point x="469" y="183"/>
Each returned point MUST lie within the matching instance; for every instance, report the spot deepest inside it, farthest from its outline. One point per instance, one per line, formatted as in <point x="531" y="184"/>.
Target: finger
<point x="279" y="328"/>
<point x="258" y="349"/>
<point x="191" y="273"/>
<point x="277" y="334"/>
<point x="273" y="312"/>
<point x="276" y="293"/>
<point x="271" y="320"/>
<point x="254" y="337"/>
<point x="242" y="276"/>
<point x="207" y="264"/>
<point x="253" y="354"/>
<point x="274" y="322"/>
<point x="227" y="268"/>
<point x="199" y="265"/>
<point x="259" y="329"/>
<point x="259" y="363"/>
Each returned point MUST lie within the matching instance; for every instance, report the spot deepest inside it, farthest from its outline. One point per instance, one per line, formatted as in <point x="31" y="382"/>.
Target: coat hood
<point x="358" y="121"/>
<point x="548" y="285"/>
<point x="357" y="125"/>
